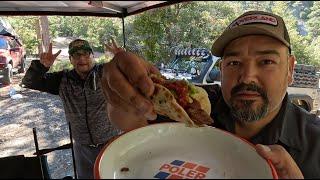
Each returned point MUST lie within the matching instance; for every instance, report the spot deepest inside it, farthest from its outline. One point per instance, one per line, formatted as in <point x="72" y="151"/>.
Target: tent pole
<point x="123" y="33"/>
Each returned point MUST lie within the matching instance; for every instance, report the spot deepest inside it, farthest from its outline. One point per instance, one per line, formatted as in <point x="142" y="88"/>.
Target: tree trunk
<point x="44" y="22"/>
<point x="43" y="34"/>
<point x="38" y="29"/>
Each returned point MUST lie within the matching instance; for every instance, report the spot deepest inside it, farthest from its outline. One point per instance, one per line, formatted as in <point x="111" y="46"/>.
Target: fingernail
<point x="146" y="87"/>
<point x="265" y="148"/>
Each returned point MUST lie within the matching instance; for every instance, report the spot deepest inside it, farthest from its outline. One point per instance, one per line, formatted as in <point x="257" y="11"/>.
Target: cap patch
<point x="254" y="18"/>
<point x="79" y="45"/>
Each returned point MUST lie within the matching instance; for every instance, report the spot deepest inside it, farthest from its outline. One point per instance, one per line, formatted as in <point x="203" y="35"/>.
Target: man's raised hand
<point x="47" y="58"/>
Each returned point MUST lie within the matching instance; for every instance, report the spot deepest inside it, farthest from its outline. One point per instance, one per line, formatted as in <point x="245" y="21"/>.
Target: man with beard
<point x="256" y="69"/>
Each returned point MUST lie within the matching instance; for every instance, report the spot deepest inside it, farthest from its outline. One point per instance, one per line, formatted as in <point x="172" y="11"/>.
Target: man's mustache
<point x="248" y="87"/>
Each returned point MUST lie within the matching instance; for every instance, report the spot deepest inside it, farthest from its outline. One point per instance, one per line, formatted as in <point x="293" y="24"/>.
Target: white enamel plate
<point x="174" y="151"/>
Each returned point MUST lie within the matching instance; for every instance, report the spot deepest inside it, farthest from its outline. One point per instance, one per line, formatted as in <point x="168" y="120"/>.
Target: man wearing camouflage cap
<point x="82" y="97"/>
<point x="256" y="68"/>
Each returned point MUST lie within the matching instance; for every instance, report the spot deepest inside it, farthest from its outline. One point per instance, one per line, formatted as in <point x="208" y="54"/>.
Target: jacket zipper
<point x="90" y="134"/>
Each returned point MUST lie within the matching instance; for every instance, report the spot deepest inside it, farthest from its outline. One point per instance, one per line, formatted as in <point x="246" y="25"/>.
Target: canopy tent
<point x="80" y="8"/>
<point x="6" y="29"/>
<point x="119" y="9"/>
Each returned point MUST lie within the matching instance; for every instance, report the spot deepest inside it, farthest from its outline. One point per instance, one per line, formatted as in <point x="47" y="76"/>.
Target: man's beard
<point x="247" y="113"/>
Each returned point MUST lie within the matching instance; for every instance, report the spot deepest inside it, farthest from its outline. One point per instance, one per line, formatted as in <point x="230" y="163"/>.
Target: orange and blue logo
<point x="178" y="169"/>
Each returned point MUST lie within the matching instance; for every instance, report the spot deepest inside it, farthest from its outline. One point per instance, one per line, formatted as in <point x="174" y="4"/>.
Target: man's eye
<point x="267" y="61"/>
<point x="233" y="63"/>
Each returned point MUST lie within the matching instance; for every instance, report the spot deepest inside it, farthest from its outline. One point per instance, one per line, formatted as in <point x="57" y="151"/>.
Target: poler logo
<point x="182" y="170"/>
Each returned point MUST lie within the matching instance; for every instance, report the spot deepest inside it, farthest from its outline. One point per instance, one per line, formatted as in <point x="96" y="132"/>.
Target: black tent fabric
<point x="119" y="9"/>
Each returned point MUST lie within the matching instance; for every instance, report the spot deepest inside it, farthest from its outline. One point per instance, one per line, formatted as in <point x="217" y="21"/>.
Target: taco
<point x="181" y="101"/>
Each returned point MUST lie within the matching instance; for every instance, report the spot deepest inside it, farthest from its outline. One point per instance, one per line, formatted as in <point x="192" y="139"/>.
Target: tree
<point x="255" y="6"/>
<point x="43" y="34"/>
<point x="298" y="42"/>
<point x="314" y="20"/>
<point x="186" y="24"/>
<point x="94" y="29"/>
<point x="25" y="28"/>
<point x="314" y="50"/>
<point x="154" y="33"/>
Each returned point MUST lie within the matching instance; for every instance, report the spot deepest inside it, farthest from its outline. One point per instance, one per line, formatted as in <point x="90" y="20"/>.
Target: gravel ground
<point x="35" y="109"/>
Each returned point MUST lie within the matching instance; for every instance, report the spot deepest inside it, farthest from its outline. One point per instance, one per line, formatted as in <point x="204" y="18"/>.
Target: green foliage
<point x="189" y="24"/>
<point x="25" y="28"/>
<point x="103" y="59"/>
<point x="314" y="20"/>
<point x="314" y="50"/>
<point x="298" y="42"/>
<point x="153" y="34"/>
<point x="256" y="5"/>
<point x="94" y="29"/>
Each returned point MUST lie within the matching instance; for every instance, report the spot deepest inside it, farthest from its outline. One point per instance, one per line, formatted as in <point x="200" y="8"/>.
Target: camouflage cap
<point x="79" y="44"/>
<point x="252" y="23"/>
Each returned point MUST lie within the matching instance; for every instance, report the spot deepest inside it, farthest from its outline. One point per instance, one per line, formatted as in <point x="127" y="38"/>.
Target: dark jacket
<point x="83" y="101"/>
<point x="297" y="130"/>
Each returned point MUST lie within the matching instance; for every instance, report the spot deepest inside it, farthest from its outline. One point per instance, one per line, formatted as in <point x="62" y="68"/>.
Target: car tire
<point x="303" y="101"/>
<point x="7" y="74"/>
<point x="22" y="68"/>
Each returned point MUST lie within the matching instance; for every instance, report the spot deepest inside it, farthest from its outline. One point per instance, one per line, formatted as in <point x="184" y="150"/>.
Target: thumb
<point x="265" y="152"/>
<point x="281" y="159"/>
<point x="57" y="54"/>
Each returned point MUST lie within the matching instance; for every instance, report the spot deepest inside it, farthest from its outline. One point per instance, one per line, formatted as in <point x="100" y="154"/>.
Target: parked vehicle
<point x="304" y="92"/>
<point x="196" y="65"/>
<point x="12" y="53"/>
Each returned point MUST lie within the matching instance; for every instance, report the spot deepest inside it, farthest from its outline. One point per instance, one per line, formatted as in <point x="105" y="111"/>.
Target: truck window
<point x="3" y="43"/>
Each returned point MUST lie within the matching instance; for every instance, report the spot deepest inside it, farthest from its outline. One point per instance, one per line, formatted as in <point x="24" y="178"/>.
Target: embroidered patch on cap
<point x="254" y="18"/>
<point x="79" y="45"/>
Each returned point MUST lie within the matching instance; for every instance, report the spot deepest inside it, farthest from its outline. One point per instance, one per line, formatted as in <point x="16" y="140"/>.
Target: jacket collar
<point x="284" y="128"/>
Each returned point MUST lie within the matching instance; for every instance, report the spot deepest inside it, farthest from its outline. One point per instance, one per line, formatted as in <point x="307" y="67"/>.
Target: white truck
<point x="198" y="66"/>
<point x="305" y="90"/>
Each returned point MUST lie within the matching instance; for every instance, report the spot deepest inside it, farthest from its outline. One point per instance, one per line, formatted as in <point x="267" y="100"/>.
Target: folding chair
<point x="41" y="152"/>
<point x="24" y="167"/>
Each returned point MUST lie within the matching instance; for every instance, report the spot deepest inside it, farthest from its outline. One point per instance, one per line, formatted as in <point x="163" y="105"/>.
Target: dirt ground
<point x="38" y="110"/>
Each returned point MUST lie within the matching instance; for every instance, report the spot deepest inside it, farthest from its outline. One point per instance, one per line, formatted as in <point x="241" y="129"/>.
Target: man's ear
<point x="291" y="65"/>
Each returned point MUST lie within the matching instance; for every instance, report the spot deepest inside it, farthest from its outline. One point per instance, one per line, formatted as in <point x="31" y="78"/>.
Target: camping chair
<point x="35" y="167"/>
<point x="24" y="167"/>
<point x="41" y="152"/>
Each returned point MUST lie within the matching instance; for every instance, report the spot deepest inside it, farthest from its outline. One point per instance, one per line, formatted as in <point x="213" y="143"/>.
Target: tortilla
<point x="202" y="96"/>
<point x="165" y="104"/>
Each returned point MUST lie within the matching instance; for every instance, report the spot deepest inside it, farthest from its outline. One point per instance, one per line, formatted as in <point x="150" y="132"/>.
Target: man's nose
<point x="82" y="57"/>
<point x="249" y="73"/>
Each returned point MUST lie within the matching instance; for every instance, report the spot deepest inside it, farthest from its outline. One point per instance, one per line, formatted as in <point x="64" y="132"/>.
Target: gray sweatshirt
<point x="83" y="100"/>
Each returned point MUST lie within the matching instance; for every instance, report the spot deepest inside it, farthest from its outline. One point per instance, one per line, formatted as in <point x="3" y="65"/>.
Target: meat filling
<point x="198" y="115"/>
<point x="181" y="92"/>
